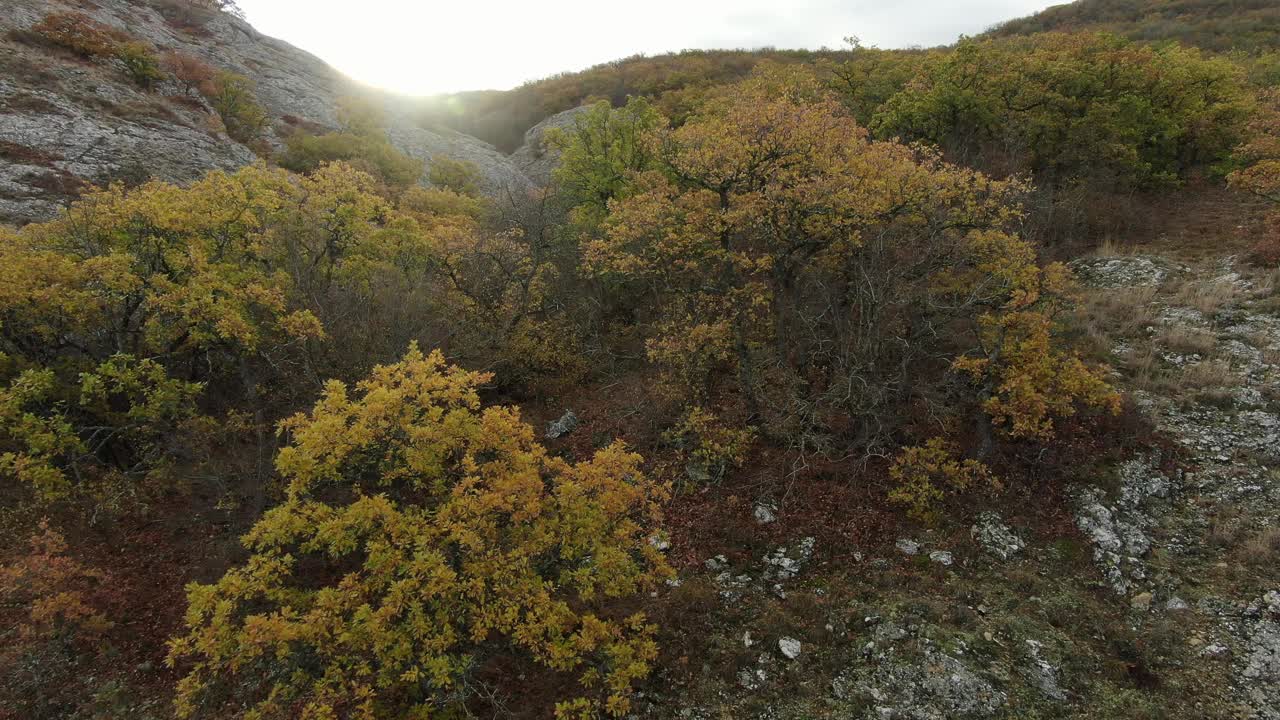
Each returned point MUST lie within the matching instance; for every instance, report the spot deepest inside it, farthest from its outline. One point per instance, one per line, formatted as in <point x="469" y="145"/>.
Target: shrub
<point x="193" y="74"/>
<point x="103" y="437"/>
<point x="1266" y="252"/>
<point x="1089" y="108"/>
<point x="423" y="537"/>
<point x="710" y="446"/>
<point x="460" y="176"/>
<point x="79" y="33"/>
<point x="140" y="63"/>
<point x="361" y="142"/>
<point x="232" y="97"/>
<point x="193" y="15"/>
<point x="55" y="611"/>
<point x="56" y="594"/>
<point x="305" y="153"/>
<point x="924" y="475"/>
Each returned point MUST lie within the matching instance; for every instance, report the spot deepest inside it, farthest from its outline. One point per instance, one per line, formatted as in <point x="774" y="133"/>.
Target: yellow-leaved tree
<point x="1260" y="174"/>
<point x="851" y="290"/>
<point x="422" y="539"/>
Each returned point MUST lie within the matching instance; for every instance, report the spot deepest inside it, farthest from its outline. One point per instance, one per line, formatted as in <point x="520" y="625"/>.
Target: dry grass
<point x="1187" y="341"/>
<point x="1208" y="297"/>
<point x="1146" y="372"/>
<point x="1263" y="548"/>
<point x="1110" y="248"/>
<point x="1226" y="529"/>
<point x="1200" y="381"/>
<point x="1207" y="374"/>
<point x="1266" y="294"/>
<point x="1121" y="313"/>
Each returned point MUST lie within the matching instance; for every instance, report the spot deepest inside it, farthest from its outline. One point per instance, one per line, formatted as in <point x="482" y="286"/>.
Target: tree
<point x="1069" y="108"/>
<point x="117" y="317"/>
<point x="361" y="142"/>
<point x="1260" y="153"/>
<point x="422" y="537"/>
<point x="460" y="176"/>
<point x="598" y="154"/>
<point x="1260" y="174"/>
<point x="841" y="281"/>
<point x="232" y="96"/>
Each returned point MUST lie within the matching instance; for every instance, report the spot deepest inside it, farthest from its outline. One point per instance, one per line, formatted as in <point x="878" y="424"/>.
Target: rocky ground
<point x="1160" y="599"/>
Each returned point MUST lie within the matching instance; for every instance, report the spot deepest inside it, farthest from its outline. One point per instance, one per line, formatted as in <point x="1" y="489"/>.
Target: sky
<point x="423" y="47"/>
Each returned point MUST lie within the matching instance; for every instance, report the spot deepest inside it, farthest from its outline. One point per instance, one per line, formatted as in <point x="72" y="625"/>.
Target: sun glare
<point x="424" y="48"/>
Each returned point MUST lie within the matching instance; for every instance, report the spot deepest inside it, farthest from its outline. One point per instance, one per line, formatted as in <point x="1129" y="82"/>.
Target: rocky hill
<point x="67" y="122"/>
<point x="1213" y="24"/>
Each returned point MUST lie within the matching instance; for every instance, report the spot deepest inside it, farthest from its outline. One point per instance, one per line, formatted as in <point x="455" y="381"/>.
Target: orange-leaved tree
<point x="422" y="539"/>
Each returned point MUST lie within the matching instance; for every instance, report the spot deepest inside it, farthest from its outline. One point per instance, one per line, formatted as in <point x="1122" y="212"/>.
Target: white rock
<point x="907" y="546"/>
<point x="790" y="647"/>
<point x="996" y="537"/>
<point x="765" y="514"/>
<point x="1214" y="650"/>
<point x="942" y="557"/>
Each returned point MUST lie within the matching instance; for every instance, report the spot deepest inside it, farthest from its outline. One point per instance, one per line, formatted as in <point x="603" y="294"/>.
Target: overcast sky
<point x="432" y="46"/>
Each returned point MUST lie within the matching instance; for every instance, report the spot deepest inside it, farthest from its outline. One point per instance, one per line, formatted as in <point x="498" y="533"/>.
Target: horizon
<point x="383" y="47"/>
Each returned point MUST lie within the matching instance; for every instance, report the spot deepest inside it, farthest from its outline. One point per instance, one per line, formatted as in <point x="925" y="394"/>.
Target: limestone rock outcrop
<point x="67" y="123"/>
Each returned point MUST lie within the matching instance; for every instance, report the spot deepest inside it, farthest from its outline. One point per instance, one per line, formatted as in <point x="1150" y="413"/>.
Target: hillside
<point x="1250" y="25"/>
<point x="67" y="121"/>
<point x="922" y="384"/>
<point x="502" y="117"/>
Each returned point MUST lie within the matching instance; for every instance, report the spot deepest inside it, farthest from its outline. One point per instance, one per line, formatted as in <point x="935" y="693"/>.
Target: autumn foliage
<point x="754" y="265"/>
<point x="439" y="534"/>
<point x="79" y="33"/>
<point x="812" y="266"/>
<point x="1068" y="108"/>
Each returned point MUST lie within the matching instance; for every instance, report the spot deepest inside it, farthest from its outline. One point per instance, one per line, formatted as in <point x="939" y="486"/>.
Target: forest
<point x="276" y="435"/>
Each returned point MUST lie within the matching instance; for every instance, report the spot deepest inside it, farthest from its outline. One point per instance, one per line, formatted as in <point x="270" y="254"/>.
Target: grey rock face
<point x="66" y="123"/>
<point x="785" y="563"/>
<point x="942" y="557"/>
<point x="535" y="158"/>
<point x="1115" y="272"/>
<point x="789" y="647"/>
<point x="1042" y="673"/>
<point x="1119" y="531"/>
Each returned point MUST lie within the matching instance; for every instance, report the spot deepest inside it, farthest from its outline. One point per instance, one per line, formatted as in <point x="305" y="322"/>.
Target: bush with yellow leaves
<point x="709" y="445"/>
<point x="924" y="475"/>
<point x="423" y="538"/>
